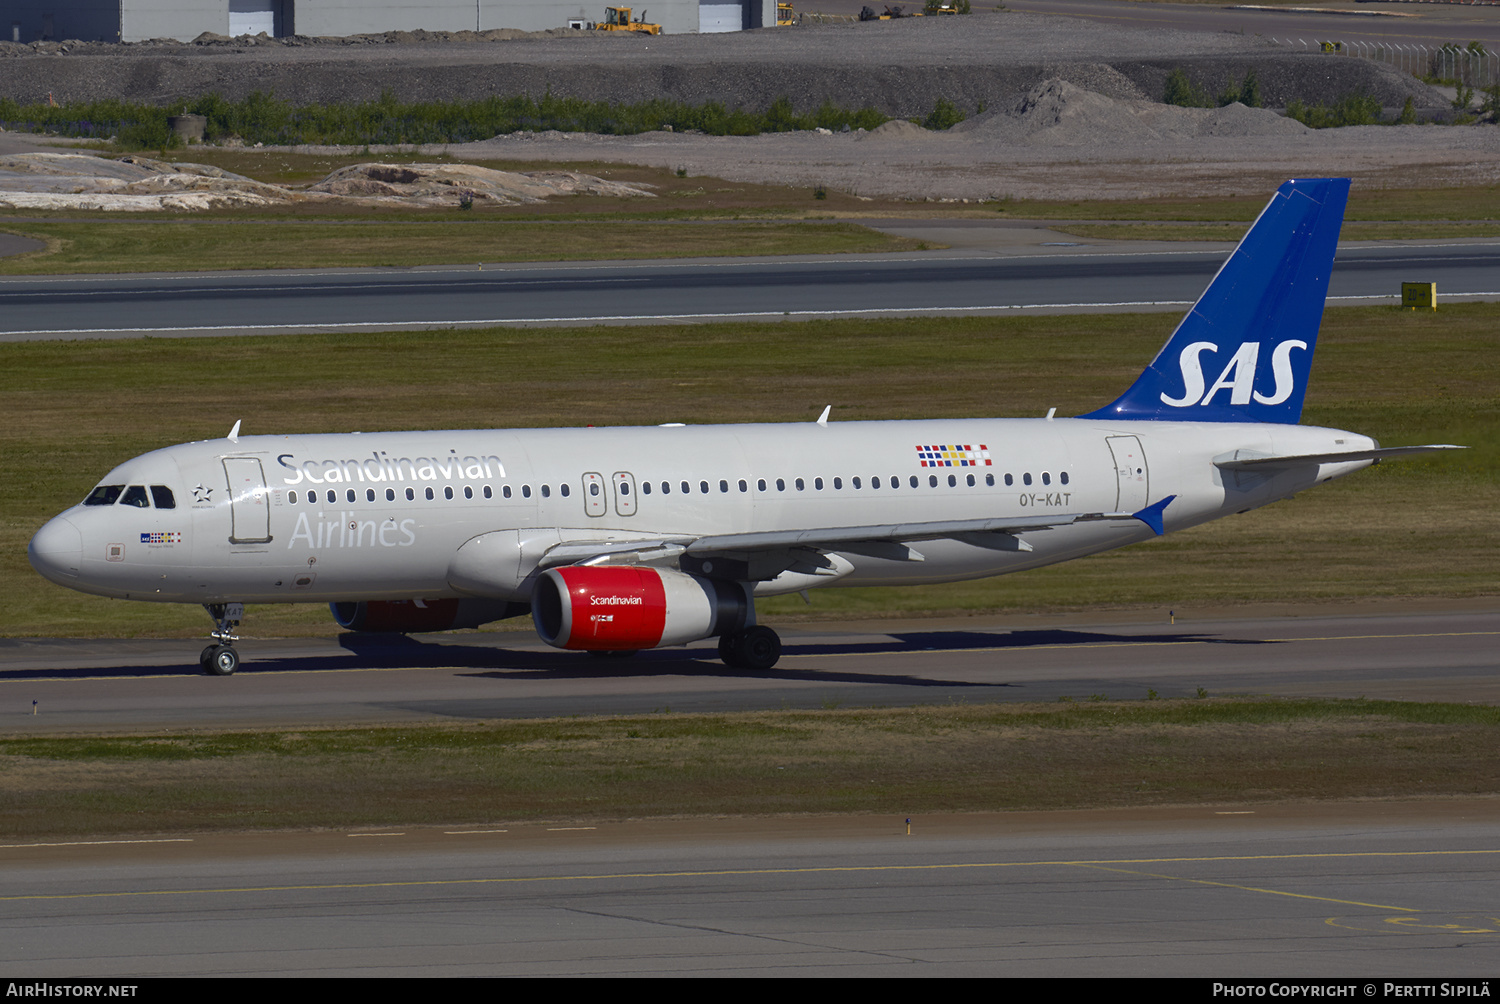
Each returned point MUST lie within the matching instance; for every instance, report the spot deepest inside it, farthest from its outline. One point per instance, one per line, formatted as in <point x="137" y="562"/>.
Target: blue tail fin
<point x="1255" y="326"/>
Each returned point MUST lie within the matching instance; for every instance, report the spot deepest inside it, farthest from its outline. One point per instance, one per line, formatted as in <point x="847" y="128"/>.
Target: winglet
<point x="1151" y="515"/>
<point x="234" y="434"/>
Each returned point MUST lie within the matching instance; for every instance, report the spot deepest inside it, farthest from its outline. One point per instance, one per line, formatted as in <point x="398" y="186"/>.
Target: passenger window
<point x="723" y="487"/>
<point x="505" y="490"/>
<point x="369" y="495"/>
<point x="104" y="495"/>
<point x="914" y="481"/>
<point x="971" y="480"/>
<point x="411" y="495"/>
<point x="448" y="492"/>
<point x="349" y="495"/>
<point x="161" y="497"/>
<point x="952" y="481"/>
<point x="488" y="493"/>
<point x="760" y="485"/>
<point x="818" y="483"/>
<point x="744" y="487"/>
<point x="703" y="487"/>
<point x="1026" y="478"/>
<point x="1046" y="478"/>
<point x="468" y="492"/>
<point x="932" y="481"/>
<point x="1063" y="477"/>
<point x="390" y="494"/>
<point x="594" y="488"/>
<point x="838" y="484"/>
<point x="800" y="485"/>
<point x="429" y="494"/>
<point x="781" y="484"/>
<point x="333" y="496"/>
<point x="874" y="482"/>
<point x="526" y="491"/>
<point x="855" y="481"/>
<point x="645" y="487"/>
<point x="686" y="488"/>
<point x="546" y="491"/>
<point x="291" y="498"/>
<point x="989" y="479"/>
<point x="1009" y="480"/>
<point x="666" y="487"/>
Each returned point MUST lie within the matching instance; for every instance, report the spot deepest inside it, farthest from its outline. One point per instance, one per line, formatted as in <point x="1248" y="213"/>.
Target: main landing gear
<point x="757" y="648"/>
<point x="220" y="658"/>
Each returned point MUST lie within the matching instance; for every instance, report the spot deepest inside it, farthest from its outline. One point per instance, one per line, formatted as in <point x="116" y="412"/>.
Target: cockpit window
<point x="104" y="495"/>
<point x="161" y="497"/>
<point x="136" y="495"/>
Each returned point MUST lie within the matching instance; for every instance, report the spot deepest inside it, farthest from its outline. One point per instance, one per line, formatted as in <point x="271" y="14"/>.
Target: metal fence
<point x="1470" y="65"/>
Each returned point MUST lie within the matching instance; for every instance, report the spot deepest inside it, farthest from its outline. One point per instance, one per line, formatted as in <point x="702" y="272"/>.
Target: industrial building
<point x="184" y="20"/>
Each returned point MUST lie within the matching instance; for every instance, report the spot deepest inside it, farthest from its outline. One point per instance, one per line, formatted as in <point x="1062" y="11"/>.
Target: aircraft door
<point x="595" y="501"/>
<point x="624" y="493"/>
<point x="1131" y="473"/>
<point x="249" y="505"/>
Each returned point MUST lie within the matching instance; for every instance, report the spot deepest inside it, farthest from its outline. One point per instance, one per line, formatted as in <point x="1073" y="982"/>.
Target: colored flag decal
<point x="955" y="455"/>
<point x="161" y="538"/>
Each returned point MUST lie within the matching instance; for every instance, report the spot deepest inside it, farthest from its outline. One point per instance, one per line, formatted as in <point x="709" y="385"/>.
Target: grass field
<point x="192" y="245"/>
<point x="1425" y="527"/>
<point x="900" y="761"/>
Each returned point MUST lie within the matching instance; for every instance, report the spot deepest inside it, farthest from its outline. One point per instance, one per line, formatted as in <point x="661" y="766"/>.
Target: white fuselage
<point x="388" y="515"/>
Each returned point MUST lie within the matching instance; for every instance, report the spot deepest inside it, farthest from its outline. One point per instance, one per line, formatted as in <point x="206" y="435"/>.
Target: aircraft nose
<point x="56" y="551"/>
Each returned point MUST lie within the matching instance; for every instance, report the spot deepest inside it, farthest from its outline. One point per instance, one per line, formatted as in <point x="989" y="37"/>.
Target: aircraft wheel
<point x="760" y="648"/>
<point x="223" y="661"/>
<point x="206" y="657"/>
<point x="730" y="649"/>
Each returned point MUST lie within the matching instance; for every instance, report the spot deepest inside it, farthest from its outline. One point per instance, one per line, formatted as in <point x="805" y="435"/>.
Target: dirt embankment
<point x="898" y="67"/>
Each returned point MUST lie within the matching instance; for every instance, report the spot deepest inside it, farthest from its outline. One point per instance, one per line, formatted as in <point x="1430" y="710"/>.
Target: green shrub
<point x="943" y="116"/>
<point x="1181" y="91"/>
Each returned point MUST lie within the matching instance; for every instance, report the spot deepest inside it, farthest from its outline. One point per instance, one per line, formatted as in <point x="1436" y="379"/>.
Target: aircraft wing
<point x="772" y="551"/>
<point x="1295" y="460"/>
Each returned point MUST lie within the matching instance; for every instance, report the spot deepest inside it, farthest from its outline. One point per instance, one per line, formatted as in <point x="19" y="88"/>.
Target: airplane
<point x="617" y="540"/>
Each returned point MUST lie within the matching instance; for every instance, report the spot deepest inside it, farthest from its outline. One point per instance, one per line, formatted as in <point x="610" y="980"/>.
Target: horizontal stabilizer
<point x="1348" y="456"/>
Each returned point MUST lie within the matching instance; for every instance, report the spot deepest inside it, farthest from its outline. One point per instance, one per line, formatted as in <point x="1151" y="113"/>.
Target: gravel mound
<point x="139" y="184"/>
<point x="1059" y="113"/>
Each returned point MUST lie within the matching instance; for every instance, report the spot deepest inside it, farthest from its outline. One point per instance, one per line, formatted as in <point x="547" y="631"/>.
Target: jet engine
<point x="621" y="608"/>
<point x="415" y="616"/>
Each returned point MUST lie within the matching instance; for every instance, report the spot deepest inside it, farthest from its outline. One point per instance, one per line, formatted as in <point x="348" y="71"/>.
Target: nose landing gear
<point x="220" y="658"/>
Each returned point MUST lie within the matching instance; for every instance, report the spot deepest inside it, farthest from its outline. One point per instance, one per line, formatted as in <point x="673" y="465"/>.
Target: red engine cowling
<point x="617" y="608"/>
<point x="415" y="616"/>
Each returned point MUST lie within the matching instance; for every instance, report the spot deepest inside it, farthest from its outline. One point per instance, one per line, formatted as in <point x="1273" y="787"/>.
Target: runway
<point x="1393" y="891"/>
<point x="977" y="279"/>
<point x="1447" y="654"/>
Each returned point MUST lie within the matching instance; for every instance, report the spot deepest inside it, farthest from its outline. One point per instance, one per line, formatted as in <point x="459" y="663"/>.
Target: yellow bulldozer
<point x="618" y="19"/>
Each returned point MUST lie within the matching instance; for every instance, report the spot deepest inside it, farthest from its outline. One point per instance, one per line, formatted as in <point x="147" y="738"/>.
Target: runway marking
<point x="1104" y="864"/>
<point x="375" y="834"/>
<point x="99" y="843"/>
<point x="1251" y="888"/>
